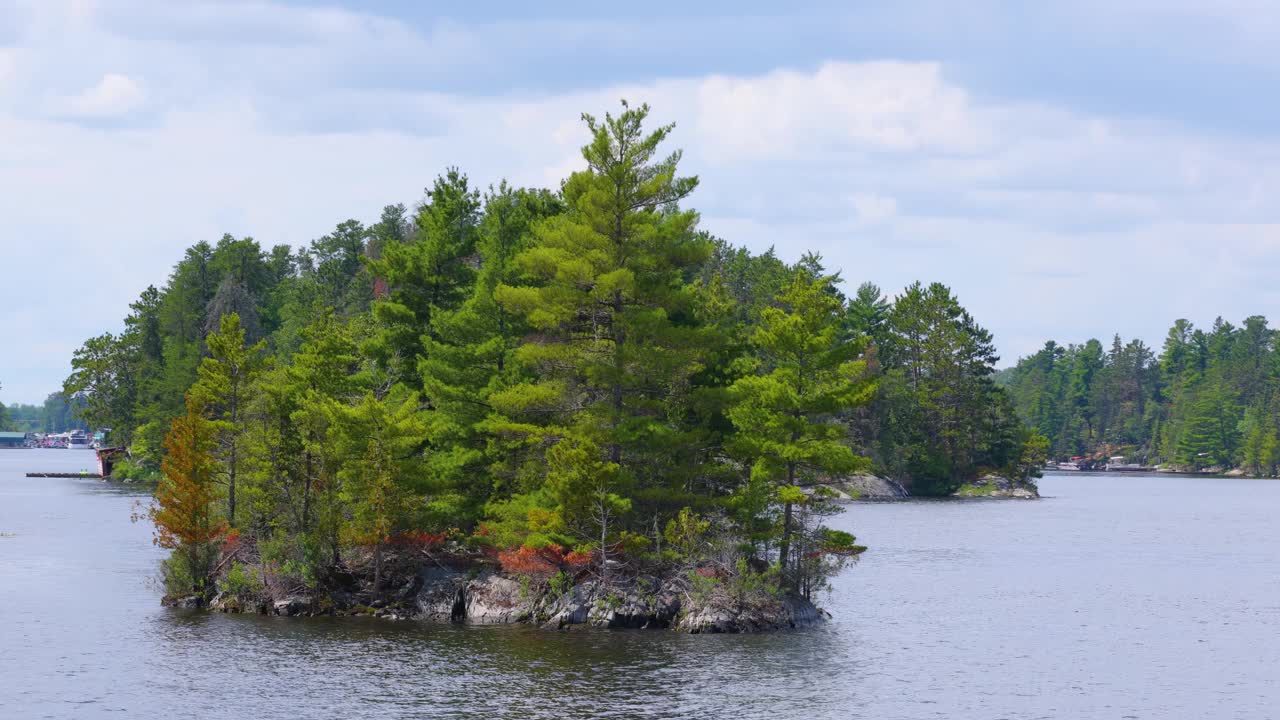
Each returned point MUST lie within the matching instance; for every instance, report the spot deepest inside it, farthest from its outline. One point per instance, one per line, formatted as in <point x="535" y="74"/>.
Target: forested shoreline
<point x="55" y="415"/>
<point x="1207" y="401"/>
<point x="566" y="386"/>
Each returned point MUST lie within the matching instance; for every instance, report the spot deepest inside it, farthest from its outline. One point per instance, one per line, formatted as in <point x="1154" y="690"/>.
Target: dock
<point x="89" y="475"/>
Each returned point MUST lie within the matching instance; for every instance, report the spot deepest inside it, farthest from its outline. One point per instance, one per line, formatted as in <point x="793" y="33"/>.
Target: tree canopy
<point x="581" y="374"/>
<point x="1207" y="399"/>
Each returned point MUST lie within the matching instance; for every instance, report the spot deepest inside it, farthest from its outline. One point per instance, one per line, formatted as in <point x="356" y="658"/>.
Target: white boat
<point x="1118" y="464"/>
<point x="78" y="441"/>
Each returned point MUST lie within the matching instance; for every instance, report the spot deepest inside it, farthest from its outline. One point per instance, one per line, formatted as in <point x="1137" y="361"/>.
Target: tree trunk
<point x="619" y="337"/>
<point x="231" y="493"/>
<point x="306" y="493"/>
<point x="604" y="547"/>
<point x="784" y="545"/>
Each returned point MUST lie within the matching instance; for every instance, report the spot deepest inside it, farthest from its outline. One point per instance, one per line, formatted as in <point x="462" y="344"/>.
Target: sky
<point x="1071" y="169"/>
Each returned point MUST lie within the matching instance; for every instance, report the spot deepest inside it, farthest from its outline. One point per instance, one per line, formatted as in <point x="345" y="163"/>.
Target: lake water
<point x="1114" y="597"/>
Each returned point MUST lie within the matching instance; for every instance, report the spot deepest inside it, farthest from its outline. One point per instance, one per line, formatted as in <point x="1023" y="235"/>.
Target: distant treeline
<point x="1208" y="399"/>
<point x="54" y="416"/>
<point x="523" y="369"/>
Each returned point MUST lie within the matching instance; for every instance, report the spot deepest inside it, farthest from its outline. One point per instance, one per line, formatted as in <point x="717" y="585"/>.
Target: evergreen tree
<point x="939" y="366"/>
<point x="382" y="482"/>
<point x="431" y="273"/>
<point x="616" y="336"/>
<point x="785" y="412"/>
<point x="225" y="386"/>
<point x="336" y="265"/>
<point x="470" y="354"/>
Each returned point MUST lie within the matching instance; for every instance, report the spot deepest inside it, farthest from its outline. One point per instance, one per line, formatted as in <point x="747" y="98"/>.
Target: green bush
<point x="560" y="583"/>
<point x="982" y="490"/>
<point x="187" y="570"/>
<point x="302" y="558"/>
<point x="702" y="587"/>
<point x="241" y="582"/>
<point x="132" y="470"/>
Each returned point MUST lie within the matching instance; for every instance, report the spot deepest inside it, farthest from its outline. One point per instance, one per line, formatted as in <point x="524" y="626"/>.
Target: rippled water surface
<point x="1114" y="597"/>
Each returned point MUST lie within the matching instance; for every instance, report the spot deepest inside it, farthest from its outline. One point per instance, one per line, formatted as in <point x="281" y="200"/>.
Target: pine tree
<point x="224" y="385"/>
<point x="616" y="339"/>
<point x="469" y="356"/>
<point x="944" y="361"/>
<point x="432" y="272"/>
<point x="382" y="479"/>
<point x="785" y="413"/>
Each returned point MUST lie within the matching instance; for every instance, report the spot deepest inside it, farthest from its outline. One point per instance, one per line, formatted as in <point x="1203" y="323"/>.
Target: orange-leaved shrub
<point x="542" y="562"/>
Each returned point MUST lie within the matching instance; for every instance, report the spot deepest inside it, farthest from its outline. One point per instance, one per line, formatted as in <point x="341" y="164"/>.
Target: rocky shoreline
<point x="443" y="595"/>
<point x="871" y="488"/>
<point x="998" y="486"/>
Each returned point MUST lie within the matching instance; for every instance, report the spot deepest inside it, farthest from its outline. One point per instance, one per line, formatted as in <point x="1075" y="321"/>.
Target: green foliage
<point x="177" y="574"/>
<point x="129" y="469"/>
<point x="560" y="584"/>
<point x="972" y="490"/>
<point x="528" y="371"/>
<point x="291" y="560"/>
<point x="1034" y="454"/>
<point x="785" y="413"/>
<point x="242" y="583"/>
<point x="223" y="386"/>
<point x="1208" y="399"/>
<point x="686" y="534"/>
<point x="702" y="586"/>
<point x="55" y="415"/>
<point x="604" y="292"/>
<point x="104" y="375"/>
<point x="939" y="417"/>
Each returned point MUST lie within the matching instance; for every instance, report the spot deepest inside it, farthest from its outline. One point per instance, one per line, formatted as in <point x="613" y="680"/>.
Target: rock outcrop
<point x="183" y="602"/>
<point x="998" y="486"/>
<point x="869" y="487"/>
<point x="644" y="602"/>
<point x="790" y="611"/>
<point x="294" y="605"/>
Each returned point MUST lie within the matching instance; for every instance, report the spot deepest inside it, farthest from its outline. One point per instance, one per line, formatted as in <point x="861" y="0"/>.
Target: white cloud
<point x="113" y="95"/>
<point x="8" y="66"/>
<point x="879" y="106"/>
<point x="1047" y="221"/>
<point x="872" y="208"/>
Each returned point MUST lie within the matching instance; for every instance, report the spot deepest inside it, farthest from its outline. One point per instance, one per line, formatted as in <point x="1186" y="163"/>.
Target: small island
<point x="562" y="407"/>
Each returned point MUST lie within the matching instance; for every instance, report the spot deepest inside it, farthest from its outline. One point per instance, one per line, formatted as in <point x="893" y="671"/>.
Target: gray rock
<point x="342" y="600"/>
<point x="293" y="605"/>
<point x="224" y="603"/>
<point x="183" y="602"/>
<point x="633" y="604"/>
<point x="790" y="611"/>
<point x="625" y="603"/>
<point x="442" y="595"/>
<point x="998" y="486"/>
<point x="571" y="608"/>
<point x="869" y="487"/>
<point x="493" y="598"/>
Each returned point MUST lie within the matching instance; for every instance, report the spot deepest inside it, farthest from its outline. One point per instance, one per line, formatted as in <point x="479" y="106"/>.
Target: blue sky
<point x="1071" y="170"/>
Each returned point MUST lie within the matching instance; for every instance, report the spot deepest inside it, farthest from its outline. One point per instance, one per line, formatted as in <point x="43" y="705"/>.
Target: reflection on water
<point x="1118" y="596"/>
<point x="503" y="671"/>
